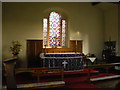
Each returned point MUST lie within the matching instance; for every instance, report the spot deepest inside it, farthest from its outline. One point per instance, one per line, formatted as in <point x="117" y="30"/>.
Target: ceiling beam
<point x="95" y="3"/>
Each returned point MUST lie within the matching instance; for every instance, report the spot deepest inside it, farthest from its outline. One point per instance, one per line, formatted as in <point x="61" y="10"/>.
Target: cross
<point x="64" y="62"/>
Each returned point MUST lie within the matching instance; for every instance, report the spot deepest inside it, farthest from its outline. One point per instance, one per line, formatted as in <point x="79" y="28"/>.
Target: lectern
<point x="9" y="65"/>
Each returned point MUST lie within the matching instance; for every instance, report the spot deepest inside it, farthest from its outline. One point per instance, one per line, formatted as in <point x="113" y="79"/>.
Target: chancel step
<point x="41" y="85"/>
<point x="104" y="78"/>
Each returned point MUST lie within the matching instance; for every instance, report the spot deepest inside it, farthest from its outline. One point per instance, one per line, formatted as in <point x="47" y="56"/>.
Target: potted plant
<point x="15" y="48"/>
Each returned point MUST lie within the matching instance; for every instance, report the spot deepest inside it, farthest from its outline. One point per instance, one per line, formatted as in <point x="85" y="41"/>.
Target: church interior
<point x="63" y="45"/>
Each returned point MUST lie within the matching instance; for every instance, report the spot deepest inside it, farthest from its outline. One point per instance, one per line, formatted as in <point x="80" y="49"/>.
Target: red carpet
<point x="83" y="86"/>
<point x="74" y="80"/>
<point x="101" y="75"/>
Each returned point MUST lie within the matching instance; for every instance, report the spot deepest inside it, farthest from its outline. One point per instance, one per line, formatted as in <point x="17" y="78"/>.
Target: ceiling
<point x="106" y="5"/>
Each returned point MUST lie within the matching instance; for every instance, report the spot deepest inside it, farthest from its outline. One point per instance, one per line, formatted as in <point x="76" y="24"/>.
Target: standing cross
<point x="64" y="62"/>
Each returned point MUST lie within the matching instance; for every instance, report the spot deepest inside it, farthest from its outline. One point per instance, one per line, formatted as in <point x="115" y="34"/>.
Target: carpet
<point x="73" y="80"/>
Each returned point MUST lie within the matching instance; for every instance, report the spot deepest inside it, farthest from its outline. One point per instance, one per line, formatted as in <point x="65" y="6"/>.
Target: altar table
<point x="70" y="61"/>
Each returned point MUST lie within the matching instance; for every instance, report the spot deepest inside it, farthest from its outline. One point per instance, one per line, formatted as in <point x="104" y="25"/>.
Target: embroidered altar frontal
<point x="70" y="61"/>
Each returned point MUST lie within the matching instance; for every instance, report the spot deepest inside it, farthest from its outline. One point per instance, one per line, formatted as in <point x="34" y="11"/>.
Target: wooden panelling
<point x="79" y="46"/>
<point x="34" y="48"/>
<point x="73" y="44"/>
<point x="73" y="48"/>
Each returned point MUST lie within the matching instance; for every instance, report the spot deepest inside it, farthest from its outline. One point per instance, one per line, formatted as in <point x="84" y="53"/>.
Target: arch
<point x="61" y="12"/>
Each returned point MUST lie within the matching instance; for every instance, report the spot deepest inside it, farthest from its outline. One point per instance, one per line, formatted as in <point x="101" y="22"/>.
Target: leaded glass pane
<point x="54" y="24"/>
<point x="63" y="32"/>
<point x="45" y="33"/>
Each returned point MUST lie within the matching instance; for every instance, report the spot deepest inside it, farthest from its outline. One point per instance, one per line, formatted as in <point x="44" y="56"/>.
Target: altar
<point x="70" y="61"/>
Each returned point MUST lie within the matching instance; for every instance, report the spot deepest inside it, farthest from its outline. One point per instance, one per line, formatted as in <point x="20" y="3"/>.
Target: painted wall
<point x="111" y="26"/>
<point x="22" y="21"/>
<point x="0" y="45"/>
<point x="0" y="31"/>
<point x="118" y="30"/>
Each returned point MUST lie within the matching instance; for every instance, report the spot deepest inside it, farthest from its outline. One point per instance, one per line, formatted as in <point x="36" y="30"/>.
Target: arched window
<point x="54" y="31"/>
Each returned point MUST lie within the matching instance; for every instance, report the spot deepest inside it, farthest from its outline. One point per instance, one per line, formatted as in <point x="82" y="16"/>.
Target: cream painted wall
<point x="22" y="21"/>
<point x="0" y="45"/>
<point x="118" y="30"/>
<point x="111" y="25"/>
<point x="0" y="31"/>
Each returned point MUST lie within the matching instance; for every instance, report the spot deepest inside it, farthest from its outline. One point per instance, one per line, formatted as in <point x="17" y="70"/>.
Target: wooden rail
<point x="105" y="66"/>
<point x="39" y="72"/>
<point x="42" y="70"/>
<point x="62" y="57"/>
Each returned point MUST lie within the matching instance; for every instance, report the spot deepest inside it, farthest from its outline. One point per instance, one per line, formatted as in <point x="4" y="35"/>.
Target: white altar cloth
<point x="92" y="59"/>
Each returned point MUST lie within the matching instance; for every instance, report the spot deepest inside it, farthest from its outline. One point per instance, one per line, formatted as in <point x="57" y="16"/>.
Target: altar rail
<point x="70" y="61"/>
<point x="105" y="66"/>
<point x="41" y="70"/>
<point x="35" y="85"/>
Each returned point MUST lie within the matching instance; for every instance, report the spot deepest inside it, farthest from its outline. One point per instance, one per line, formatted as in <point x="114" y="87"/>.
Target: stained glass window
<point x="54" y="30"/>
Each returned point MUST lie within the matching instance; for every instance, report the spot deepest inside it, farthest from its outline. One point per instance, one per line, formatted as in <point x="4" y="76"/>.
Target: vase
<point x="15" y="54"/>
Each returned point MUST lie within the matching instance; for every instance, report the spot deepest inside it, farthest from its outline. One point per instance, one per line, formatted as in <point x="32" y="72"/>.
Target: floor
<point x="111" y="84"/>
<point x="107" y="84"/>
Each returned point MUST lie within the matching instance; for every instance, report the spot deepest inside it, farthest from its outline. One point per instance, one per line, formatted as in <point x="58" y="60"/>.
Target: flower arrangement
<point x="15" y="48"/>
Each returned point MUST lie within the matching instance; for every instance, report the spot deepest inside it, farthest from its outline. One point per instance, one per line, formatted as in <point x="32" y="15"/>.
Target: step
<point x="105" y="77"/>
